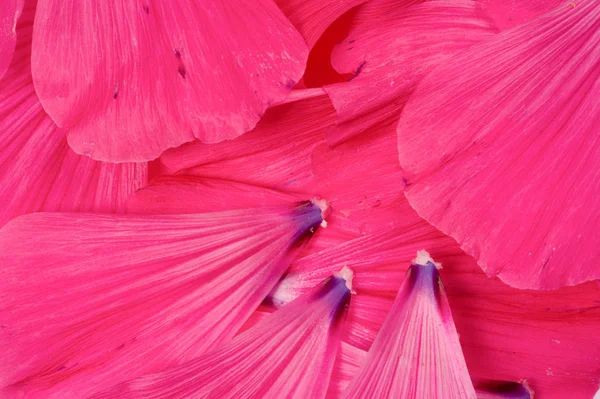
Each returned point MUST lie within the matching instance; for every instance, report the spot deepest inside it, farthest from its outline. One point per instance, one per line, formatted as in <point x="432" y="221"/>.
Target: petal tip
<point x="423" y="258"/>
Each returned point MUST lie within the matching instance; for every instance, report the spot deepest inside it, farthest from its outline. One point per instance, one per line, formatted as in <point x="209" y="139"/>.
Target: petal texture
<point x="38" y="170"/>
<point x="276" y="154"/>
<point x="312" y="17"/>
<point x="9" y="15"/>
<point x="509" y="13"/>
<point x="545" y="337"/>
<point x="91" y="300"/>
<point x="416" y="353"/>
<point x="500" y="148"/>
<point x="129" y="79"/>
<point x="394" y="45"/>
<point x="289" y="354"/>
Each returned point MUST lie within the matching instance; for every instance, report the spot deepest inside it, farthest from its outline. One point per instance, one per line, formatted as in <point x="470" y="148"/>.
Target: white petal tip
<point x="324" y="206"/>
<point x="347" y="274"/>
<point x="423" y="257"/>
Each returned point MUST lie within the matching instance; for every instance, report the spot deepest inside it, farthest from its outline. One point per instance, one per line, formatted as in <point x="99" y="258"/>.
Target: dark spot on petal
<point x="177" y="54"/>
<point x="404" y="182"/>
<point x="290" y="84"/>
<point x="146" y="9"/>
<point x="120" y="347"/>
<point x="61" y="368"/>
<point x="358" y="70"/>
<point x="351" y="41"/>
<point x="349" y="48"/>
<point x="116" y="93"/>
<point x="181" y="70"/>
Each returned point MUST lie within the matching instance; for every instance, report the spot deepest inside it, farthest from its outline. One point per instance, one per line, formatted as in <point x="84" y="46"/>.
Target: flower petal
<point x="9" y="15"/>
<point x="394" y="45"/>
<point x="129" y="81"/>
<point x="288" y="354"/>
<point x="91" y="300"/>
<point x="416" y="353"/>
<point x="509" y="13"/>
<point x="193" y="194"/>
<point x="501" y="150"/>
<point x="276" y="154"/>
<point x="362" y="179"/>
<point x="39" y="172"/>
<point x="312" y="17"/>
<point x="507" y="334"/>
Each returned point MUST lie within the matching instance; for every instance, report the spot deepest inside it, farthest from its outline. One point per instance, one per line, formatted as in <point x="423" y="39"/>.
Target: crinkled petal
<point x="9" y="16"/>
<point x="507" y="334"/>
<point x="394" y="45"/>
<point x="91" y="300"/>
<point x="289" y="354"/>
<point x="313" y="17"/>
<point x="38" y="170"/>
<point x="416" y="353"/>
<point x="501" y="150"/>
<point x="130" y="79"/>
<point x="276" y="154"/>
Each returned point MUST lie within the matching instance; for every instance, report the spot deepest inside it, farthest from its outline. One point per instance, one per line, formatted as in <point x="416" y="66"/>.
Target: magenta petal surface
<point x="275" y="154"/>
<point x="38" y="170"/>
<point x="91" y="300"/>
<point x="500" y="148"/>
<point x="130" y="79"/>
<point x="393" y="46"/>
<point x="313" y="17"/>
<point x="289" y="354"/>
<point x="416" y="353"/>
<point x="9" y="15"/>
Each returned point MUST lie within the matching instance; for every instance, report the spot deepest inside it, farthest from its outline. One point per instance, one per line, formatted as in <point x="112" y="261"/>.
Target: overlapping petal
<point x="38" y="170"/>
<point x="275" y="154"/>
<point x="313" y="17"/>
<point x="506" y="334"/>
<point x="395" y="43"/>
<point x="288" y="354"/>
<point x="500" y="148"/>
<point x="106" y="298"/>
<point x="416" y="353"/>
<point x="130" y="79"/>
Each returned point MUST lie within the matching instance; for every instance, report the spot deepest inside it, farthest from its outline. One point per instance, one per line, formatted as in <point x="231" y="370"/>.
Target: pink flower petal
<point x="39" y="172"/>
<point x="193" y="194"/>
<point x="546" y="338"/>
<point x="289" y="354"/>
<point x="312" y="17"/>
<point x="416" y="353"/>
<point x="9" y="15"/>
<point x="91" y="300"/>
<point x="276" y="154"/>
<point x="362" y="179"/>
<point x="394" y="45"/>
<point x="509" y="13"/>
<point x="501" y="150"/>
<point x="132" y="80"/>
